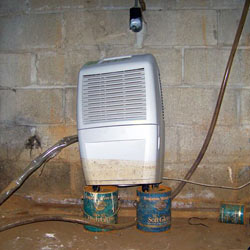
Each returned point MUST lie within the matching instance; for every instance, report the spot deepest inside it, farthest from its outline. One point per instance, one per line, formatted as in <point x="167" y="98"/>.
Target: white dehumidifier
<point x="120" y="121"/>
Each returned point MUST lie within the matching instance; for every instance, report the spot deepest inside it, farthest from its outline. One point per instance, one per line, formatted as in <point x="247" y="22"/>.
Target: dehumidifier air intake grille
<point x="114" y="96"/>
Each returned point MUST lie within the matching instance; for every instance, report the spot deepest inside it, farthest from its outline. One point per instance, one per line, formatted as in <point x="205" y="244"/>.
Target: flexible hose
<point x="219" y="102"/>
<point x="66" y="218"/>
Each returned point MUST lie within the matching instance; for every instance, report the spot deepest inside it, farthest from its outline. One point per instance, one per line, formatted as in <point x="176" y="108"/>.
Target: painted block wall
<point x="43" y="45"/>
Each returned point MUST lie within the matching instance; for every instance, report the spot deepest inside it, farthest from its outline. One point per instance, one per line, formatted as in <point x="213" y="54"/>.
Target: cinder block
<point x="7" y="6"/>
<point x="178" y="4"/>
<point x="70" y="105"/>
<point x="204" y="66"/>
<point x="170" y="65"/>
<point x="13" y="139"/>
<point x="174" y="170"/>
<point x="190" y="4"/>
<point x="70" y="155"/>
<point x="50" y="135"/>
<point x="62" y="175"/>
<point x="7" y="106"/>
<point x="228" y="114"/>
<point x="195" y="106"/>
<point x="245" y="104"/>
<point x="50" y="184"/>
<point x="150" y="5"/>
<point x="156" y="4"/>
<point x="47" y="5"/>
<point x="3" y="144"/>
<point x="227" y="26"/>
<point x="188" y="106"/>
<point x="97" y="28"/>
<point x="228" y="144"/>
<point x="30" y="32"/>
<point x="171" y="144"/>
<point x="202" y="197"/>
<point x="9" y="172"/>
<point x="240" y="68"/>
<point x="243" y="176"/>
<point x="52" y="179"/>
<point x="77" y="179"/>
<point x="113" y="51"/>
<point x="207" y="66"/>
<point x="39" y="106"/>
<point x="190" y="141"/>
<point x="183" y="27"/>
<point x="15" y="70"/>
<point x="227" y="4"/>
<point x="116" y="4"/>
<point x="168" y="60"/>
<point x="159" y="4"/>
<point x="3" y="151"/>
<point x="50" y="69"/>
<point x="75" y="60"/>
<point x="4" y="172"/>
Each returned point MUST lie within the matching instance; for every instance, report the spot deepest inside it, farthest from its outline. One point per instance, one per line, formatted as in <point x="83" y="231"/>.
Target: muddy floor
<point x="61" y="235"/>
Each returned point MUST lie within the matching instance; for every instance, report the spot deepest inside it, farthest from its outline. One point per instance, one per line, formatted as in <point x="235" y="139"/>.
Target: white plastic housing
<point x="120" y="121"/>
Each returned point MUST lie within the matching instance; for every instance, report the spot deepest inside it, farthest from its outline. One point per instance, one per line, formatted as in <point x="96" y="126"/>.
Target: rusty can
<point x="154" y="209"/>
<point x="232" y="213"/>
<point x="101" y="206"/>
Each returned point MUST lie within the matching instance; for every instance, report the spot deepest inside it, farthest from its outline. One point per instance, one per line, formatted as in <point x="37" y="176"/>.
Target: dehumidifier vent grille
<point x="114" y="96"/>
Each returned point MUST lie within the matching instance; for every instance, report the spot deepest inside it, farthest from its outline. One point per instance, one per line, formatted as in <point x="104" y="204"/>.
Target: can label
<point x="154" y="211"/>
<point x="231" y="213"/>
<point x="101" y="207"/>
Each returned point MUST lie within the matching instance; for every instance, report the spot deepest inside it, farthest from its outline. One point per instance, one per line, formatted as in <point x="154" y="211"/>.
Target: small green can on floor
<point x="232" y="213"/>
<point x="101" y="206"/>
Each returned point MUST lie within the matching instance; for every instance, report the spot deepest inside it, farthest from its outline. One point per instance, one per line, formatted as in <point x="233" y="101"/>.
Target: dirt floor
<point x="61" y="235"/>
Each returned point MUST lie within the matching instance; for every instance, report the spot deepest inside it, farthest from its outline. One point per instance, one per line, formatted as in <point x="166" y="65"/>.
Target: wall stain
<point x="33" y="142"/>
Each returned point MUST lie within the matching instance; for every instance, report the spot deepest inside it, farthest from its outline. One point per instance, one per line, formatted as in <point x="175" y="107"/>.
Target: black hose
<point x="219" y="101"/>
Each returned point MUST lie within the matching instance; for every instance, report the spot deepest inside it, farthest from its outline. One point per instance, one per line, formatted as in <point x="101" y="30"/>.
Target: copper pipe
<point x="219" y="101"/>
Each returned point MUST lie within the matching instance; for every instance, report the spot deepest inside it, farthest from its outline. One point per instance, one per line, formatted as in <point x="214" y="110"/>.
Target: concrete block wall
<point x="43" y="45"/>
